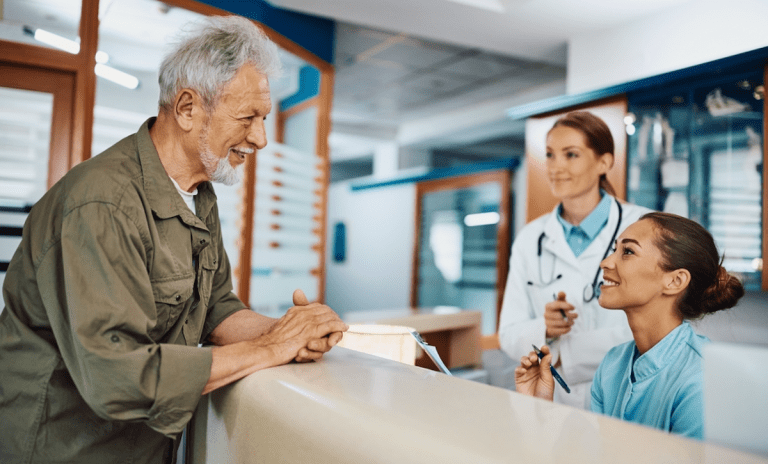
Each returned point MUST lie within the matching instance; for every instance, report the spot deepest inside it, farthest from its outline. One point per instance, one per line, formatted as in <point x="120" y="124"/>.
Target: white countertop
<point x="356" y="408"/>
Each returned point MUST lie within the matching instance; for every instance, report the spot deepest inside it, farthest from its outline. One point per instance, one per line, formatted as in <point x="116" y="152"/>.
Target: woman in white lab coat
<point x="554" y="277"/>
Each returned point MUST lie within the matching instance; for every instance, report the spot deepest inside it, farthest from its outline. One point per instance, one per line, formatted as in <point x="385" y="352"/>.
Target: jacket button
<point x="202" y="241"/>
<point x="115" y="338"/>
<point x="214" y="262"/>
<point x="178" y="297"/>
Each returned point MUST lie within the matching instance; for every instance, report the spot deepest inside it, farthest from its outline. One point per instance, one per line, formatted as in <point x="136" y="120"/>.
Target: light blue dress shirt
<point x="663" y="388"/>
<point x="579" y="237"/>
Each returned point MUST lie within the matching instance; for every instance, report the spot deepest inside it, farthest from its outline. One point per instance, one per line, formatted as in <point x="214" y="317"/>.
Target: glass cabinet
<point x="696" y="150"/>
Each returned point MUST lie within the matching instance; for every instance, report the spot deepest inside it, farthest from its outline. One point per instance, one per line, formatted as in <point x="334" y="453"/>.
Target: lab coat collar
<point x="554" y="241"/>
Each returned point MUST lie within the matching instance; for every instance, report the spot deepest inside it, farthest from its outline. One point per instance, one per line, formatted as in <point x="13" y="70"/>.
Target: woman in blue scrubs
<point x="664" y="271"/>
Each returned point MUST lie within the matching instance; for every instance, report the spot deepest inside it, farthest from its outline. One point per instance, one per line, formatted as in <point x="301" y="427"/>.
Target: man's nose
<point x="257" y="134"/>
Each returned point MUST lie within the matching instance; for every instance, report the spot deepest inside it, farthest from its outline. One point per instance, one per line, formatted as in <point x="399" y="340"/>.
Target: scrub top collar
<point x="661" y="354"/>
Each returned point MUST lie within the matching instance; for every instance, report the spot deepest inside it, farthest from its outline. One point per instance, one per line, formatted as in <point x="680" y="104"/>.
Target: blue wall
<point x="312" y="33"/>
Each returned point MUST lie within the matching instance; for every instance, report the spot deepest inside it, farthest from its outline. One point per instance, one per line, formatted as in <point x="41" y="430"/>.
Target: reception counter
<point x="356" y="408"/>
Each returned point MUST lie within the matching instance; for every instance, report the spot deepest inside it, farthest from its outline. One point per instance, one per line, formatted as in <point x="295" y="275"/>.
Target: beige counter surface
<point x="357" y="408"/>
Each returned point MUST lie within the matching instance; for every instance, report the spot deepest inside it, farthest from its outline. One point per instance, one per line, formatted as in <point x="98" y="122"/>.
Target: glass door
<point x="463" y="244"/>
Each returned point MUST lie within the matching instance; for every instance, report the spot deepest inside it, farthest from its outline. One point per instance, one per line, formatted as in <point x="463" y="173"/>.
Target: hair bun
<point x="724" y="292"/>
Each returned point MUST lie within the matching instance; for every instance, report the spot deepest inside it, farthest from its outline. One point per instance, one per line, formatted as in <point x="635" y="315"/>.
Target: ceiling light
<point x="102" y="70"/>
<point x="101" y="57"/>
<point x="116" y="76"/>
<point x="481" y="219"/>
<point x="53" y="40"/>
<point x="490" y="5"/>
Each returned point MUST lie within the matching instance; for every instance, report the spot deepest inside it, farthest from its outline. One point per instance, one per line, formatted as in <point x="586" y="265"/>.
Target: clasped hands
<point x="308" y="330"/>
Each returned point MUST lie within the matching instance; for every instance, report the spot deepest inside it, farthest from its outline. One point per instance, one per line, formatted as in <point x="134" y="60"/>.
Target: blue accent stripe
<point x="754" y="58"/>
<point x="315" y="34"/>
<point x="442" y="173"/>
<point x="309" y="87"/>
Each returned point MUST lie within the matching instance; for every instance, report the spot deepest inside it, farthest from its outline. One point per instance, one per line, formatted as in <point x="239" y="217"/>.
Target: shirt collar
<point x="163" y="198"/>
<point x="662" y="353"/>
<point x="594" y="222"/>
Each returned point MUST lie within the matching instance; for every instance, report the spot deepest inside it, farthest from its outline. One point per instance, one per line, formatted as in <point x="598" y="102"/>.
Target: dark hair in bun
<point x="684" y="244"/>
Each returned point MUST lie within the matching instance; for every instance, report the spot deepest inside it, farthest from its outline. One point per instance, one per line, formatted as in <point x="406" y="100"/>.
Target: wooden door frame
<point x="503" y="177"/>
<point x="61" y="84"/>
<point x="79" y="109"/>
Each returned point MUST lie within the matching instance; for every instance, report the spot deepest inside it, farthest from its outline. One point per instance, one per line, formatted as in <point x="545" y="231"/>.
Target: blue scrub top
<point x="663" y="388"/>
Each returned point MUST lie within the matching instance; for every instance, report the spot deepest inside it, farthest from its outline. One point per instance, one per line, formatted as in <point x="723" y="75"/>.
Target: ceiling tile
<point x="480" y="67"/>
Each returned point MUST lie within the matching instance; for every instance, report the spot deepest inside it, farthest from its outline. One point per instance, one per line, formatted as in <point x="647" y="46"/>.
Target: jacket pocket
<point x="171" y="296"/>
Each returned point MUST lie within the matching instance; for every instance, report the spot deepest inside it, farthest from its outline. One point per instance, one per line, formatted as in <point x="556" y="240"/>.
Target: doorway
<point x="461" y="254"/>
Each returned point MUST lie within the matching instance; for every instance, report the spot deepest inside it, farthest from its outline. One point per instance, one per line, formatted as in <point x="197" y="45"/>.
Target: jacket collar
<point x="163" y="198"/>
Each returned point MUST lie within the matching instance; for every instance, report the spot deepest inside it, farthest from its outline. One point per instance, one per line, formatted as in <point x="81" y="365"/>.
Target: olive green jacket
<point x="112" y="289"/>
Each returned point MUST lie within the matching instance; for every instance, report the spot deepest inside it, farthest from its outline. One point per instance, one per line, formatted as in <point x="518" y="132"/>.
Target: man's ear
<point x="187" y="108"/>
<point x="676" y="281"/>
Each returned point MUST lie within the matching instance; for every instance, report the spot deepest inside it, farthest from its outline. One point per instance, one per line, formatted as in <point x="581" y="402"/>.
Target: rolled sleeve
<point x="187" y="371"/>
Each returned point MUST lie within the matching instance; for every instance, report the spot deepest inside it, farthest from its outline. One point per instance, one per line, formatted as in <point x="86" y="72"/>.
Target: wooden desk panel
<point x="454" y="332"/>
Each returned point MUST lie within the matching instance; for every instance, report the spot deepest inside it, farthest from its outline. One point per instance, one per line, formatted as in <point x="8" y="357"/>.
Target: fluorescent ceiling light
<point x="101" y="57"/>
<point x="481" y="219"/>
<point x="490" y="5"/>
<point x="54" y="40"/>
<point x="116" y="76"/>
<point x="102" y="70"/>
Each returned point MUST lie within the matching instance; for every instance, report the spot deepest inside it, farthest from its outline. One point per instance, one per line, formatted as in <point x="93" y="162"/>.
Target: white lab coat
<point x="595" y="331"/>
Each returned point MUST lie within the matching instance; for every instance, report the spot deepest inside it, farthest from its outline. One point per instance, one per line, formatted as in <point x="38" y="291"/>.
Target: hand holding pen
<point x="559" y="316"/>
<point x="533" y="378"/>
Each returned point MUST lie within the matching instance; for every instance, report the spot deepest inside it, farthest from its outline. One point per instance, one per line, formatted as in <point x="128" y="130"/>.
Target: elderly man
<point x="122" y="273"/>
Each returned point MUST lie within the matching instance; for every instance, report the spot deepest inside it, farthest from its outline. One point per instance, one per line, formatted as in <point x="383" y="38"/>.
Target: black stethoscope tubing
<point x="593" y="290"/>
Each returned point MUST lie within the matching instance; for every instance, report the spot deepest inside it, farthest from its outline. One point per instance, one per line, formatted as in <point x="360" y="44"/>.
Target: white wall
<point x="379" y="231"/>
<point x="686" y="35"/>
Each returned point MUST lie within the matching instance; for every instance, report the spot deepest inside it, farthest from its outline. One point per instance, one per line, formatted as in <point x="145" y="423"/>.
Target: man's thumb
<point x="299" y="299"/>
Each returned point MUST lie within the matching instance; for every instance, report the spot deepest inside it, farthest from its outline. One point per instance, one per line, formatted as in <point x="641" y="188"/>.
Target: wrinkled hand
<point x="315" y="348"/>
<point x="533" y="377"/>
<point x="558" y="325"/>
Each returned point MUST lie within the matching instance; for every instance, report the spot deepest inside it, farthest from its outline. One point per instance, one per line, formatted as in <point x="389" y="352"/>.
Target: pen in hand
<point x="560" y="297"/>
<point x="552" y="369"/>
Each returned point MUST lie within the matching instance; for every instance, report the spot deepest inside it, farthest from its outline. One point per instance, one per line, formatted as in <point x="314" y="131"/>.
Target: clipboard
<point x="431" y="352"/>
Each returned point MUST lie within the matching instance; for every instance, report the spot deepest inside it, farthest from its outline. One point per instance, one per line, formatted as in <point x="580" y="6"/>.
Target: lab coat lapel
<point x="596" y="249"/>
<point x="554" y="242"/>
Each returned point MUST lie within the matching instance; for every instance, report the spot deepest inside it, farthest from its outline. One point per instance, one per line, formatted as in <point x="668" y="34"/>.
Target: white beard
<point x="218" y="169"/>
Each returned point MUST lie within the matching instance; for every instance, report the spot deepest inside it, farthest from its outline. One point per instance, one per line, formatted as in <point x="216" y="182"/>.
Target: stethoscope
<point x="590" y="290"/>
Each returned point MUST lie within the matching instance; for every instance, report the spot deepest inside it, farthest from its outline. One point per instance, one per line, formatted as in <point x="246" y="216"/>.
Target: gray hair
<point x="210" y="56"/>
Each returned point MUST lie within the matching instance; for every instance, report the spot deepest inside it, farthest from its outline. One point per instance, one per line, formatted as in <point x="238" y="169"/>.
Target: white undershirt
<point x="188" y="197"/>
